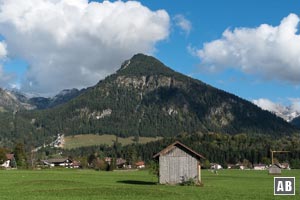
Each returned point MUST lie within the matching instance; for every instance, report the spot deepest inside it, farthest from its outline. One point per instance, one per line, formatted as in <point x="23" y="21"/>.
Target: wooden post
<point x="199" y="173"/>
<point x="272" y="158"/>
<point x="272" y="154"/>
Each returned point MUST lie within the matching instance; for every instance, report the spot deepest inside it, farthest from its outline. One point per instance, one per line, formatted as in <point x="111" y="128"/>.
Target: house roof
<point x="76" y="163"/>
<point x="180" y="145"/>
<point x="57" y="160"/>
<point x="140" y="163"/>
<point x="9" y="156"/>
<point x="120" y="161"/>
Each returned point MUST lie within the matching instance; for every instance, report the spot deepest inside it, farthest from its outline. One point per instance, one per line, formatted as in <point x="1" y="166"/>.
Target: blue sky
<point x="33" y="61"/>
<point x="209" y="20"/>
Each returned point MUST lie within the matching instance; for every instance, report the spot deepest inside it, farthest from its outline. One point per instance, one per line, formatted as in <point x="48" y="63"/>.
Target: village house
<point x="236" y="166"/>
<point x="10" y="161"/>
<point x="259" y="166"/>
<point x="121" y="163"/>
<point x="215" y="166"/>
<point x="285" y="166"/>
<point x="231" y="166"/>
<point x="75" y="164"/>
<point x="58" y="162"/>
<point x="240" y="166"/>
<point x="178" y="164"/>
<point x="140" y="165"/>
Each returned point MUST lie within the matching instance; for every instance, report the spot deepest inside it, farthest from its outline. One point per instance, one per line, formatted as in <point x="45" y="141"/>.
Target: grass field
<point x="86" y="184"/>
<point x="91" y="140"/>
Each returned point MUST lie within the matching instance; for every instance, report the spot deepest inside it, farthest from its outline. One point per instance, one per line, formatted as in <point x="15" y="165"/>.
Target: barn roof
<point x="274" y="166"/>
<point x="181" y="146"/>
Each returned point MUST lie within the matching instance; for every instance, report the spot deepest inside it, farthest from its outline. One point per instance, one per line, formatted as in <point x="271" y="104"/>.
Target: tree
<point x="266" y="160"/>
<point x="154" y="168"/>
<point x="206" y="164"/>
<point x="83" y="162"/>
<point x="247" y="163"/>
<point x="113" y="164"/>
<point x="13" y="163"/>
<point x="2" y="155"/>
<point x="295" y="163"/>
<point x="91" y="159"/>
<point x="20" y="155"/>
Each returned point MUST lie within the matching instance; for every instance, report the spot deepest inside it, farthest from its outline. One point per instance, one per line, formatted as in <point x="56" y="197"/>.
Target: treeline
<point x="219" y="148"/>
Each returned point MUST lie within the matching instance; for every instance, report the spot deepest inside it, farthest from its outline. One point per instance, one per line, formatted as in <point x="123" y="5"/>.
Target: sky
<point x="250" y="48"/>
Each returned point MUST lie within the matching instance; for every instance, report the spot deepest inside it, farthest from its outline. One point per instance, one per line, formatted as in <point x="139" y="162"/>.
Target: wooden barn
<point x="178" y="163"/>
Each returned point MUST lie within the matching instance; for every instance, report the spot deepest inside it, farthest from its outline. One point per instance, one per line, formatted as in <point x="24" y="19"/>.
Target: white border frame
<point x="285" y="194"/>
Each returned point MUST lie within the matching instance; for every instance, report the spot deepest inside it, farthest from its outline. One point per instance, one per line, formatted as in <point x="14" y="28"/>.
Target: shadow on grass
<point x="132" y="182"/>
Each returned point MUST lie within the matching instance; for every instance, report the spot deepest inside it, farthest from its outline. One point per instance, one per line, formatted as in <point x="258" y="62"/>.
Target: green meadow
<point x="86" y="184"/>
<point x="85" y="140"/>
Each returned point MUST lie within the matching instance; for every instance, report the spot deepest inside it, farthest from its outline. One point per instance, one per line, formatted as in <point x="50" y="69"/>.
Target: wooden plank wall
<point x="177" y="166"/>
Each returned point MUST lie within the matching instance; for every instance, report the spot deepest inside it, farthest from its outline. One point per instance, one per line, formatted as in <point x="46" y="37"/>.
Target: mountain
<point x="290" y="115"/>
<point x="13" y="101"/>
<point x="296" y="122"/>
<point x="287" y="113"/>
<point x="61" y="98"/>
<point x="146" y="98"/>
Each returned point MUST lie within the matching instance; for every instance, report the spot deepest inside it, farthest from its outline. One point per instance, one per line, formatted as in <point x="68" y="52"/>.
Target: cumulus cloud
<point x="273" y="52"/>
<point x="75" y="43"/>
<point x="3" y="50"/>
<point x="295" y="104"/>
<point x="269" y="105"/>
<point x="5" y="78"/>
<point x="184" y="24"/>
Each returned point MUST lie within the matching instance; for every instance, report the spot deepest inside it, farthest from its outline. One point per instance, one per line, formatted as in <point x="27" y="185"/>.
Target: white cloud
<point x="273" y="52"/>
<point x="3" y="50"/>
<point x="269" y="105"/>
<point x="5" y="78"/>
<point x="295" y="104"/>
<point x="74" y="43"/>
<point x="184" y="24"/>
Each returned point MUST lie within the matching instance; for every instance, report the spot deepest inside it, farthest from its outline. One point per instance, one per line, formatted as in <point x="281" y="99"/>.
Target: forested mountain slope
<point x="146" y="98"/>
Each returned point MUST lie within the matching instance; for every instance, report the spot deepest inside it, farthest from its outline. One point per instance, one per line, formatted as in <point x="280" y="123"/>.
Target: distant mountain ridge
<point x="61" y="98"/>
<point x="287" y="113"/>
<point x="11" y="101"/>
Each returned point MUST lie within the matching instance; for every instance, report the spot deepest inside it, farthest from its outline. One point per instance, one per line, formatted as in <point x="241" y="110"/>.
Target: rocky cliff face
<point x="11" y="101"/>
